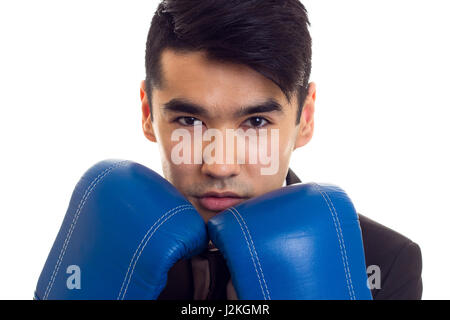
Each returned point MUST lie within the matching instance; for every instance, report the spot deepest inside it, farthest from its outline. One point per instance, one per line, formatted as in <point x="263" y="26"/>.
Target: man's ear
<point x="306" y="129"/>
<point x="147" y="125"/>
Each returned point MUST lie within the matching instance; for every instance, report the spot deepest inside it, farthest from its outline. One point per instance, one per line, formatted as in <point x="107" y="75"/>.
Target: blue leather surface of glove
<point x="302" y="241"/>
<point x="125" y="227"/>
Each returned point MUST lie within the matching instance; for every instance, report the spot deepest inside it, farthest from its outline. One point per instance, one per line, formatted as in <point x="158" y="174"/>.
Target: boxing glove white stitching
<point x="186" y="207"/>
<point x="341" y="243"/>
<point x="74" y="222"/>
<point x="253" y="259"/>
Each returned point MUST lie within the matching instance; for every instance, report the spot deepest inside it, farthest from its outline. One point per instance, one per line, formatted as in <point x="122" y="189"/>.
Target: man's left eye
<point x="188" y="121"/>
<point x="256" y="122"/>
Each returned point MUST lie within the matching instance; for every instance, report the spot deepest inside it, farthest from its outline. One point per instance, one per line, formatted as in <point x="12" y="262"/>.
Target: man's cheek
<point x="184" y="146"/>
<point x="264" y="152"/>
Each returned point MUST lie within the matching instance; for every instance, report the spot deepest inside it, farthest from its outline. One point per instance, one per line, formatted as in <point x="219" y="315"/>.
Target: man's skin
<point x="222" y="89"/>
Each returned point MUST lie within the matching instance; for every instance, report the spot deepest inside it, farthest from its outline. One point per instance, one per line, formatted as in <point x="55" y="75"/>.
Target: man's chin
<point x="207" y="214"/>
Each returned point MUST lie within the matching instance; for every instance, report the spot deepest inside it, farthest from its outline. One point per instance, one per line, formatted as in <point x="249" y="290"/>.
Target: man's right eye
<point x="189" y="121"/>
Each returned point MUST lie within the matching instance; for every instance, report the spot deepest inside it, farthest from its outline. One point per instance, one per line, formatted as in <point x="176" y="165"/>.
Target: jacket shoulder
<point x="398" y="259"/>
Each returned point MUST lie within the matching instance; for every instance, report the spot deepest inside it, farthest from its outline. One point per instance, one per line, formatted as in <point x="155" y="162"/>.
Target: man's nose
<point x="223" y="161"/>
<point x="221" y="170"/>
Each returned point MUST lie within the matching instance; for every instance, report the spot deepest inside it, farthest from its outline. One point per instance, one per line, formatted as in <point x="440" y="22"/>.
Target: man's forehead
<point x="214" y="85"/>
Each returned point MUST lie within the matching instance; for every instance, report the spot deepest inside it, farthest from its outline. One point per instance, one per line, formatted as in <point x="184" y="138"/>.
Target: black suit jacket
<point x="396" y="257"/>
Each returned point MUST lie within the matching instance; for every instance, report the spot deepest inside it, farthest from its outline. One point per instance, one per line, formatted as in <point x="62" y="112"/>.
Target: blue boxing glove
<point x="124" y="229"/>
<point x="299" y="242"/>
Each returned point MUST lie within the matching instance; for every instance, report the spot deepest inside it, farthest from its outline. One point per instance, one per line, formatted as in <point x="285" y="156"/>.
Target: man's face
<point x="222" y="96"/>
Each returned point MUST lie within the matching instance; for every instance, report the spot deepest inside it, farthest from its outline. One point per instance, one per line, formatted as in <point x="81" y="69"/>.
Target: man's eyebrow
<point x="184" y="106"/>
<point x="270" y="105"/>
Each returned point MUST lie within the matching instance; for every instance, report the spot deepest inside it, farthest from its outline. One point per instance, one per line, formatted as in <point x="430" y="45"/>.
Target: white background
<point x="69" y="97"/>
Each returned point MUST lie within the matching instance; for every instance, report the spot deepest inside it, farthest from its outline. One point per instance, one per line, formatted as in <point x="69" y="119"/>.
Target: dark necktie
<point x="219" y="275"/>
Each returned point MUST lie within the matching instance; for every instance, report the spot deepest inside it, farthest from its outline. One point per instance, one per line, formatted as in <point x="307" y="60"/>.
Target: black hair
<point x="269" y="36"/>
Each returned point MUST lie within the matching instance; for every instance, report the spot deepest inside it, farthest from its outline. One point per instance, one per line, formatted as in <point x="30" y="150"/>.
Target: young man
<point x="243" y="66"/>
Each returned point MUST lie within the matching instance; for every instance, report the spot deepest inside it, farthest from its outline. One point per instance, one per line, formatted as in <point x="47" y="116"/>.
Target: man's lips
<point x="215" y="201"/>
